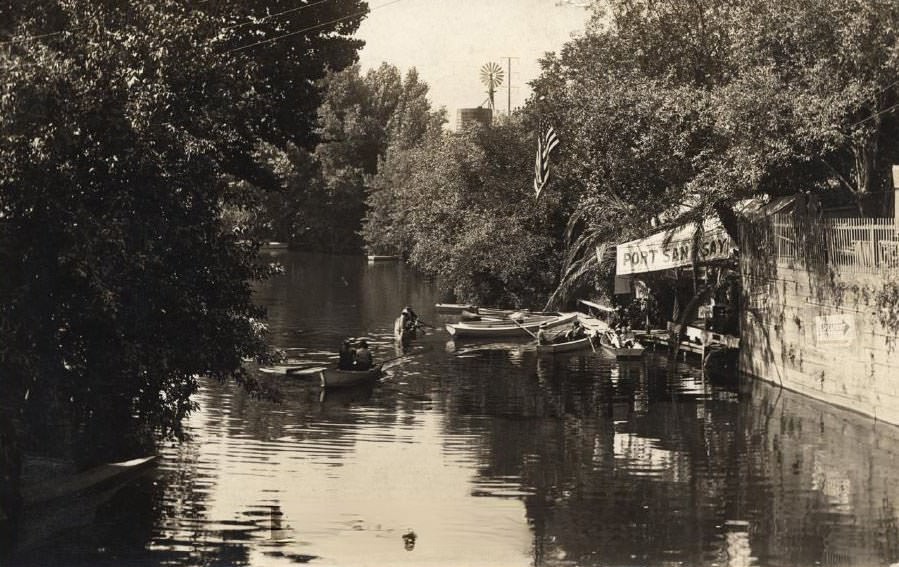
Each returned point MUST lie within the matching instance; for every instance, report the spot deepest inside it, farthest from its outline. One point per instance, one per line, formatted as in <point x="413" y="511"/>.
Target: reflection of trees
<point x="622" y="464"/>
<point x="654" y="482"/>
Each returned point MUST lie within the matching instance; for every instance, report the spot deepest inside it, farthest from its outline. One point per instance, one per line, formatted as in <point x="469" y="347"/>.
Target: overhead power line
<point x="310" y="28"/>
<point x="253" y="20"/>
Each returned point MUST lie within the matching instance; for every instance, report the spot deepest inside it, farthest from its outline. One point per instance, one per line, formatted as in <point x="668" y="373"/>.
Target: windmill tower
<point x="492" y="77"/>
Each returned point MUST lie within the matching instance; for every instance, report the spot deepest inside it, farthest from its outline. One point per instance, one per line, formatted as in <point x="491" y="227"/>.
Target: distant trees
<point x="361" y="116"/>
<point x="129" y="133"/>
<point x="462" y="209"/>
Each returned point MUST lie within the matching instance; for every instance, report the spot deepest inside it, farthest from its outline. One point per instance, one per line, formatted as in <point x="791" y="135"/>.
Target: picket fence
<point x="854" y="245"/>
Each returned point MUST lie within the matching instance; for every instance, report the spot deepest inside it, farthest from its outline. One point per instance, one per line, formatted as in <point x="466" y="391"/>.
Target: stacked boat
<point x="521" y="324"/>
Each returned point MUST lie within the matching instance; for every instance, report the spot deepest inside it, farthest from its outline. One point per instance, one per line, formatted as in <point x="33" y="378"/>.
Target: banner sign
<point x="654" y="253"/>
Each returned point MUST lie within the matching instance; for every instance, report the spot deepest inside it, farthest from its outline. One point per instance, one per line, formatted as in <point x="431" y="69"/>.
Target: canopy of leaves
<point x="461" y="208"/>
<point x="124" y="127"/>
<point x="666" y="107"/>
<point x="361" y="116"/>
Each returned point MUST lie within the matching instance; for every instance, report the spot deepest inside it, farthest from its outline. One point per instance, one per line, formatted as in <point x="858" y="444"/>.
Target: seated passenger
<point x="347" y="355"/>
<point x="576" y="332"/>
<point x="363" y="358"/>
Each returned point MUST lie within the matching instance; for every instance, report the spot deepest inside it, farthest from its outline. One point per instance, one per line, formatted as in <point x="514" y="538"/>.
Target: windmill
<point x="492" y="77"/>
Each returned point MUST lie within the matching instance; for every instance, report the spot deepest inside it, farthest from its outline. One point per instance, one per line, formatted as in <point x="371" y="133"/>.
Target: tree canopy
<point x="125" y="131"/>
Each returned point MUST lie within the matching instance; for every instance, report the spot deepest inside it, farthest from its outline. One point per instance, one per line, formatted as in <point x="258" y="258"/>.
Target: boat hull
<point x="494" y="329"/>
<point x="452" y="308"/>
<point x="569" y="346"/>
<point x="624" y="352"/>
<point x="334" y="378"/>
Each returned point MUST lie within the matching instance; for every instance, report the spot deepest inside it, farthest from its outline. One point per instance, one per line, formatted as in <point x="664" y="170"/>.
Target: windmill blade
<point x="492" y="74"/>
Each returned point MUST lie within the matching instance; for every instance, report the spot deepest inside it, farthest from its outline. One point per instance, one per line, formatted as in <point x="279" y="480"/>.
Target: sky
<point x="448" y="41"/>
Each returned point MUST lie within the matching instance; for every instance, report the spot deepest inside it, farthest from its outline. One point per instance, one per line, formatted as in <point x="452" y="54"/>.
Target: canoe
<point x="493" y="329"/>
<point x="382" y="258"/>
<point x="334" y="378"/>
<point x="569" y="346"/>
<point x="453" y="308"/>
<point x="524" y="320"/>
<point x="57" y="488"/>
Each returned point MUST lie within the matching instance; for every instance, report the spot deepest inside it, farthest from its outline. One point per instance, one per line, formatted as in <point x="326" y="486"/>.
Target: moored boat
<point x="613" y="344"/>
<point x="568" y="346"/>
<point x="517" y="328"/>
<point x="453" y="308"/>
<point x="334" y="378"/>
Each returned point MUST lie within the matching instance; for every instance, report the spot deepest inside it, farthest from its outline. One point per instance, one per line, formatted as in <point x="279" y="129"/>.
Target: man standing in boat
<point x="363" y="356"/>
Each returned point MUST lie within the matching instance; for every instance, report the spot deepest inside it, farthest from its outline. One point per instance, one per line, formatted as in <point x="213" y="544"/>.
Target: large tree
<point x="462" y="209"/>
<point x="677" y="106"/>
<point x="125" y="131"/>
<point x="361" y="116"/>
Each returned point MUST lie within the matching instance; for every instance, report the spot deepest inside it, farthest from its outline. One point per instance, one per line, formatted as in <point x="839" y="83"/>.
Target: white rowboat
<point x="521" y="329"/>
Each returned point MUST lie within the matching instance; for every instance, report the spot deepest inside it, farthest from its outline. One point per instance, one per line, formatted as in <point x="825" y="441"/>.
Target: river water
<point x="491" y="456"/>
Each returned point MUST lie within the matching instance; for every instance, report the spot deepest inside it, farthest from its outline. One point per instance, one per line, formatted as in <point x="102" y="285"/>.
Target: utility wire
<point x="875" y="115"/>
<point x="263" y="18"/>
<point x="310" y="28"/>
<point x="30" y="37"/>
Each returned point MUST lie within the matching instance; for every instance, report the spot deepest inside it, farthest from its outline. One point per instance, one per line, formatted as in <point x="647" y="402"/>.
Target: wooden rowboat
<point x="382" y="258"/>
<point x="493" y="329"/>
<point x="612" y="344"/>
<point x="577" y="344"/>
<point x="334" y="378"/>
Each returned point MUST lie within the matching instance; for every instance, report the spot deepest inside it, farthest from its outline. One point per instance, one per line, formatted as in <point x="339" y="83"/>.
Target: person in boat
<point x="576" y="332"/>
<point x="347" y="356"/>
<point x="363" y="358"/>
<point x="410" y="318"/>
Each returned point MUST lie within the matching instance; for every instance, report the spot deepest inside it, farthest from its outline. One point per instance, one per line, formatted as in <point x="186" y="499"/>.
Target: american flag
<point x="546" y="143"/>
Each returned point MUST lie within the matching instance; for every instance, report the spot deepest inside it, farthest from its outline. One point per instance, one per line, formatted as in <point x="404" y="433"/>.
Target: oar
<point x="590" y="340"/>
<point x="523" y="328"/>
<point x="304" y="370"/>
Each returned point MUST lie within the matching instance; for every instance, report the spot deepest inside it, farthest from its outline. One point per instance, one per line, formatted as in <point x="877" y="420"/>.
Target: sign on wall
<point x="658" y="252"/>
<point x="835" y="329"/>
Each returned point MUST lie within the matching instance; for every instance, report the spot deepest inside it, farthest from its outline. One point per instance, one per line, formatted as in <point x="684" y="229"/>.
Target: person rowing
<point x="410" y="318"/>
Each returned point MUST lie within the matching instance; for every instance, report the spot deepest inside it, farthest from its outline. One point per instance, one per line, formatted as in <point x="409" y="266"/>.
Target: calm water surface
<point x="493" y="456"/>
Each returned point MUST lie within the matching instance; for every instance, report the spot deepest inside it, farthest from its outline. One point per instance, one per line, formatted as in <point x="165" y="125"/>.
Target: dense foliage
<point x="461" y="208"/>
<point x="670" y="111"/>
<point x="360" y="117"/>
<point x="129" y="132"/>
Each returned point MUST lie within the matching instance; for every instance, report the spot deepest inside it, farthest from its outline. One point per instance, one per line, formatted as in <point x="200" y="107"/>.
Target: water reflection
<point x="483" y="453"/>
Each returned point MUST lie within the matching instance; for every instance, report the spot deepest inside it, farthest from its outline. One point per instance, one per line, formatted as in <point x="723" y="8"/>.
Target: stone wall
<point x="821" y="333"/>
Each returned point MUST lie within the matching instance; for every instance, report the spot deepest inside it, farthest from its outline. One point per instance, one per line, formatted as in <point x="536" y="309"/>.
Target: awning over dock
<point x="670" y="249"/>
